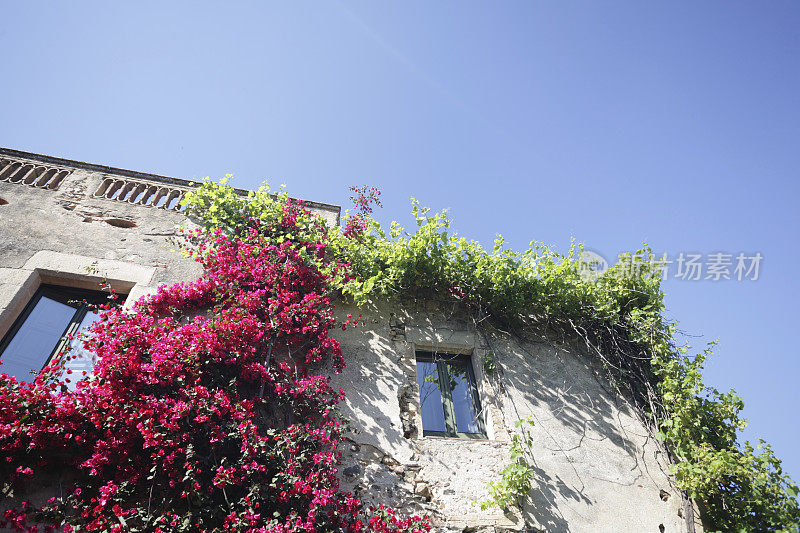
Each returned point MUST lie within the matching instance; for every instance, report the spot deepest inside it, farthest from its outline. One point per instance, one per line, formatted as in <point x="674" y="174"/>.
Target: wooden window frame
<point x="441" y="360"/>
<point x="64" y="295"/>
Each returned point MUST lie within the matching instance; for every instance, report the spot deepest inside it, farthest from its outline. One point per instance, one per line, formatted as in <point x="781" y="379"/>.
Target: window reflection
<point x="448" y="395"/>
<point x="430" y="396"/>
<point x="31" y="346"/>
<point x="42" y="330"/>
<point x="463" y="402"/>
<point x="78" y="359"/>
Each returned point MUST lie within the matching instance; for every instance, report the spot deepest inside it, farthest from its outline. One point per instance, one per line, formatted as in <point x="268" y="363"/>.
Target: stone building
<point x="67" y="225"/>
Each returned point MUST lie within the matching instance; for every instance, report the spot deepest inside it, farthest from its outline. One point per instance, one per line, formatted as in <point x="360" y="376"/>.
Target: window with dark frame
<point x="449" y="396"/>
<point x="42" y="330"/>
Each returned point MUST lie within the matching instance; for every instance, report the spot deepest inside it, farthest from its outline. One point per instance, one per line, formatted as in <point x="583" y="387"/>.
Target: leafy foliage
<point x="740" y="488"/>
<point x="517" y="478"/>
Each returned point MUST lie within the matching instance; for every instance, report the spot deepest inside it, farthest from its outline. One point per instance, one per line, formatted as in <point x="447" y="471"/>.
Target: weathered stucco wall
<point x="76" y="224"/>
<point x="596" y="467"/>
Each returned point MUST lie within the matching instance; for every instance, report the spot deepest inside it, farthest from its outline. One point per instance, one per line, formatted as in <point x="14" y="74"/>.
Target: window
<point x="448" y="396"/>
<point x="40" y="332"/>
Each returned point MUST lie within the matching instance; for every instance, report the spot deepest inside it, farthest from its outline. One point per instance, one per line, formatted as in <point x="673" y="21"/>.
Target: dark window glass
<point x="448" y="396"/>
<point x="41" y="330"/>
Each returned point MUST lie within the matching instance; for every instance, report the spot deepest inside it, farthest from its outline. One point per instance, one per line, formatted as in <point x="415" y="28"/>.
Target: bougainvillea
<point x="209" y="408"/>
<point x="363" y="199"/>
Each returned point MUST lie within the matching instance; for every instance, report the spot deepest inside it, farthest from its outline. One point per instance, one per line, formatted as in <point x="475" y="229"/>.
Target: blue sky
<point x="675" y="124"/>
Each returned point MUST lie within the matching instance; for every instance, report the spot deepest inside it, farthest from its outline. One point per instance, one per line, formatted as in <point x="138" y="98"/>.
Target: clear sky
<point x="675" y="124"/>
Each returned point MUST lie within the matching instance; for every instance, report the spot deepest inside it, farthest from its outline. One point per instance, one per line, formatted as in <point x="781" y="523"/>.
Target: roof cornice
<point x="94" y="167"/>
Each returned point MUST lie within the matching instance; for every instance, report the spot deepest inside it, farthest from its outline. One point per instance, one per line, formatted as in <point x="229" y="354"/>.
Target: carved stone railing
<point x="140" y="193"/>
<point x="32" y="174"/>
<point x="116" y="184"/>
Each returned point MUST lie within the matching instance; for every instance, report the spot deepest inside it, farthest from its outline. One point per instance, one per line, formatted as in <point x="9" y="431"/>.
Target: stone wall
<point x="597" y="468"/>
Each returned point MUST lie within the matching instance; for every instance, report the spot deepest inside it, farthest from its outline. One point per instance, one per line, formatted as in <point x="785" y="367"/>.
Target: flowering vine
<point x="363" y="199"/>
<point x="209" y="409"/>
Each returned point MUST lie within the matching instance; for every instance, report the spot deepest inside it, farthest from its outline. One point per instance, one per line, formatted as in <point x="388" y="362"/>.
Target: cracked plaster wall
<point x="596" y="467"/>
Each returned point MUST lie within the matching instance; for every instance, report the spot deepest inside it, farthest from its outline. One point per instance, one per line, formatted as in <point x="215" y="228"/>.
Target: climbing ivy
<point x="617" y="317"/>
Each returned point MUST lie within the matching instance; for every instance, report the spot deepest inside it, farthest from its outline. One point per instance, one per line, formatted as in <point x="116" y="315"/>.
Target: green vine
<point x="517" y="478"/>
<point x="489" y="363"/>
<point x="617" y="317"/>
